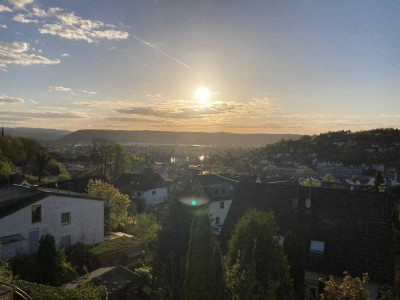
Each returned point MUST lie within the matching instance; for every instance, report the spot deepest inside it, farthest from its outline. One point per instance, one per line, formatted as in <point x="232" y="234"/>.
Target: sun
<point x="203" y="95"/>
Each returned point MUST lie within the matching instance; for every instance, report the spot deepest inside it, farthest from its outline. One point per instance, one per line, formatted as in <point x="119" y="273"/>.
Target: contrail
<point x="162" y="52"/>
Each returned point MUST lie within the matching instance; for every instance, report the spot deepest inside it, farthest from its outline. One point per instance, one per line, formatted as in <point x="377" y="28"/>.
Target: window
<point x="216" y="192"/>
<point x="221" y="205"/>
<point x="223" y="191"/>
<point x="65" y="241"/>
<point x="66" y="218"/>
<point x="317" y="247"/>
<point x="217" y="220"/>
<point x="36" y="213"/>
<point x="139" y="194"/>
<point x="154" y="192"/>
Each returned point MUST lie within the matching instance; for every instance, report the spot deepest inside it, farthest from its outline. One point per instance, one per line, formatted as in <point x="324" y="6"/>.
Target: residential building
<point x="341" y="230"/>
<point x="26" y="214"/>
<point x="147" y="185"/>
<point x="218" y="190"/>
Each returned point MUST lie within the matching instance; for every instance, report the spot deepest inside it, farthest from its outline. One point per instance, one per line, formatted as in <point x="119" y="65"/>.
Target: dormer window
<point x="317" y="247"/>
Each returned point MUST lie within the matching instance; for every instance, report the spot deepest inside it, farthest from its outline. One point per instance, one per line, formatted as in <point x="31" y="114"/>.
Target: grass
<point x="112" y="245"/>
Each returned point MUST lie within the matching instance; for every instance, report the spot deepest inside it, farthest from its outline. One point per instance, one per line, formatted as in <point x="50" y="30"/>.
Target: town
<point x="102" y="219"/>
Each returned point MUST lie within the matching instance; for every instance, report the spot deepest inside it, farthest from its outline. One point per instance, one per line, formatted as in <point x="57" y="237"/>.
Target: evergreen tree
<point x="254" y="253"/>
<point x="47" y="260"/>
<point x="201" y="270"/>
<point x="294" y="253"/>
<point x="170" y="259"/>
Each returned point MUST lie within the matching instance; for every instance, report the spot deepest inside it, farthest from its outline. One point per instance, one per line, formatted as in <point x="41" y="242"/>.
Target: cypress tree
<point x="294" y="253"/>
<point x="200" y="278"/>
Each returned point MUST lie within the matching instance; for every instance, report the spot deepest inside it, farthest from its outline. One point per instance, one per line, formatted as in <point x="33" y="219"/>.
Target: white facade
<point x="152" y="197"/>
<point x="82" y="221"/>
<point x="218" y="211"/>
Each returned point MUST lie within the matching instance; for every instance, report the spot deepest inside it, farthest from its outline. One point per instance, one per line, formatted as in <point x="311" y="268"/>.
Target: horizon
<point x="186" y="66"/>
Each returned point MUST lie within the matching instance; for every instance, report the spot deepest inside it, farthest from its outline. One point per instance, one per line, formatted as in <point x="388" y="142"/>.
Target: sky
<point x="303" y="67"/>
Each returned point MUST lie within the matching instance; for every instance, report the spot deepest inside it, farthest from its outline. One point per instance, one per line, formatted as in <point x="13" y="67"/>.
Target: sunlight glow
<point x="203" y="95"/>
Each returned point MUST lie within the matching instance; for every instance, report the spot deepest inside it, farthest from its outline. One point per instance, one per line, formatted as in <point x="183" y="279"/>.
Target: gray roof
<point x="14" y="198"/>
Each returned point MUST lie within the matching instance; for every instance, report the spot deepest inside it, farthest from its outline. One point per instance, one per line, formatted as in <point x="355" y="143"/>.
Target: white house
<point x="149" y="186"/>
<point x="219" y="191"/>
<point x="26" y="214"/>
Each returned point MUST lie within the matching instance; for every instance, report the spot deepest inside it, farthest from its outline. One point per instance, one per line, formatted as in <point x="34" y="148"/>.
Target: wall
<point x="215" y="211"/>
<point x="160" y="196"/>
<point x="87" y="222"/>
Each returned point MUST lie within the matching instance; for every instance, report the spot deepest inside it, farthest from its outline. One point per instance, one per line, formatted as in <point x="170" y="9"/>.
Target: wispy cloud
<point x="16" y="53"/>
<point x="23" y="19"/>
<point x="59" y="89"/>
<point x="65" y="55"/>
<point x="69" y="90"/>
<point x="70" y="26"/>
<point x="33" y="101"/>
<point x="7" y="99"/>
<point x="20" y="4"/>
<point x="4" y="8"/>
<point x="2" y="26"/>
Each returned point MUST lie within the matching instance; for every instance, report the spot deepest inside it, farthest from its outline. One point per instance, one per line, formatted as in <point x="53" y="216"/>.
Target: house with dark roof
<point x="28" y="213"/>
<point x="218" y="190"/>
<point x="75" y="185"/>
<point x="148" y="186"/>
<point x="341" y="230"/>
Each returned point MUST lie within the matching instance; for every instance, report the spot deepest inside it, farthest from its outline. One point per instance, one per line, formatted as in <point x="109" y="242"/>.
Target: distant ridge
<point x="40" y="134"/>
<point x="169" y="137"/>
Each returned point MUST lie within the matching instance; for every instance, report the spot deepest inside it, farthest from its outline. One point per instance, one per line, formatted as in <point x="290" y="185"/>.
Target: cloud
<point x="70" y="26"/>
<point x="69" y="90"/>
<point x="65" y="55"/>
<point x="33" y="101"/>
<point x="2" y="26"/>
<point x="22" y="19"/>
<point x="59" y="89"/>
<point x="15" y="53"/>
<point x="20" y="4"/>
<point x="87" y="92"/>
<point x="7" y="99"/>
<point x="5" y="8"/>
<point x="40" y="114"/>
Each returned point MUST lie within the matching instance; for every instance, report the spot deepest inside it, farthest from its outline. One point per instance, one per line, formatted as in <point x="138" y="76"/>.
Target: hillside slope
<point x="169" y="137"/>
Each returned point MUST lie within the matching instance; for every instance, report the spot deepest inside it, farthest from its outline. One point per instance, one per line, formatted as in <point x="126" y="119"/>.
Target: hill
<point x="39" y="134"/>
<point x="170" y="137"/>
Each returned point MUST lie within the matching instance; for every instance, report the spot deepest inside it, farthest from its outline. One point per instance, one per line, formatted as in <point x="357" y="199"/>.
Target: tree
<point x="173" y="241"/>
<point x="102" y="151"/>
<point x="254" y="254"/>
<point x="294" y="253"/>
<point x="47" y="259"/>
<point x="144" y="226"/>
<point x="201" y="269"/>
<point x="5" y="271"/>
<point x="119" y="162"/>
<point x="328" y="177"/>
<point x="353" y="288"/>
<point x="116" y="206"/>
<point x="42" y="162"/>
<point x="5" y="169"/>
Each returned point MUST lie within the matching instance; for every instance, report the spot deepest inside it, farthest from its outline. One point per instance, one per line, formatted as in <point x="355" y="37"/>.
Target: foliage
<point x="294" y="253"/>
<point x="111" y="158"/>
<point x="24" y="267"/>
<point x="201" y="269"/>
<point x="328" y="177"/>
<point x="255" y="255"/>
<point x="45" y="292"/>
<point x="354" y="288"/>
<point x="112" y="245"/>
<point x="116" y="206"/>
<point x="42" y="163"/>
<point x="144" y="226"/>
<point x="79" y="256"/>
<point x="52" y="266"/>
<point x="120" y="162"/>
<point x="173" y="241"/>
<point x="5" y="271"/>
<point x="5" y="168"/>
